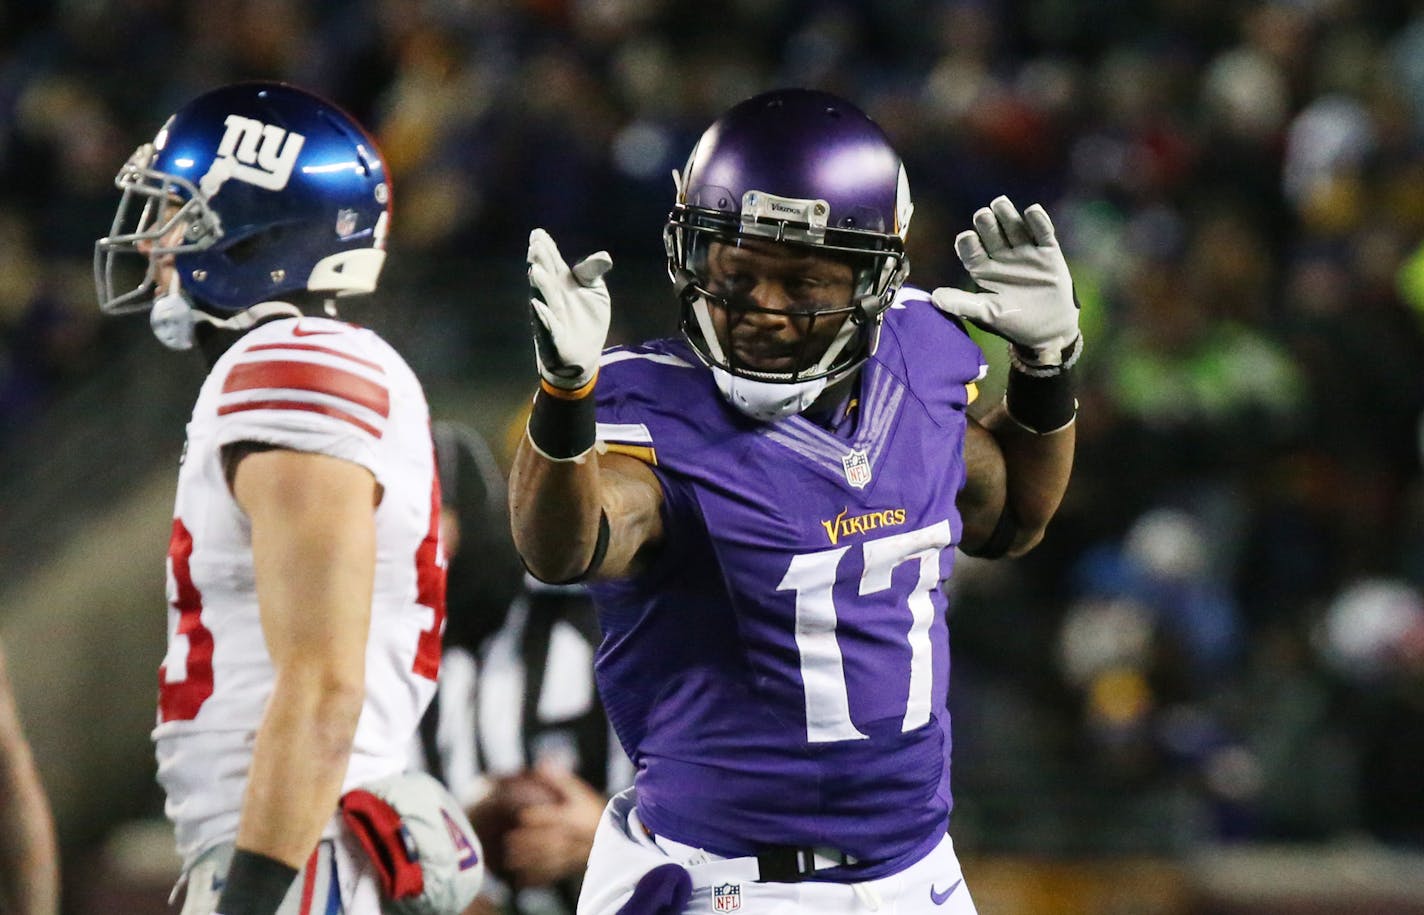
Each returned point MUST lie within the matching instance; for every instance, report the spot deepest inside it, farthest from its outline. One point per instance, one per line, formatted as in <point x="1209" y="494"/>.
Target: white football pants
<point x="337" y="880"/>
<point x="623" y="852"/>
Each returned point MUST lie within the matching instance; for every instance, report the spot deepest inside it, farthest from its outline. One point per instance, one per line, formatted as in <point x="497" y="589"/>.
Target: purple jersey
<point x="780" y="674"/>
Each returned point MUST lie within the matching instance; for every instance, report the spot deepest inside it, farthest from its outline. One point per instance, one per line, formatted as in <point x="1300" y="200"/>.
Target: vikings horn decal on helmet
<point x="256" y="191"/>
<point x="801" y="167"/>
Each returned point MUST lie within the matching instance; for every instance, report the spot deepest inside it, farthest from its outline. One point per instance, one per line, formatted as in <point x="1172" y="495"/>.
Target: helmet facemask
<point x="710" y="311"/>
<point x="153" y="207"/>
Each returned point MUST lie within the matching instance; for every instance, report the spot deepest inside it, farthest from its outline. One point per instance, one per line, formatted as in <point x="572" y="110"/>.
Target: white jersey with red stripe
<point x="312" y="385"/>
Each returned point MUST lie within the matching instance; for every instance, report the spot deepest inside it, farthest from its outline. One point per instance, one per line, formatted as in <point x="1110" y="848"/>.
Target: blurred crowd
<point x="1223" y="635"/>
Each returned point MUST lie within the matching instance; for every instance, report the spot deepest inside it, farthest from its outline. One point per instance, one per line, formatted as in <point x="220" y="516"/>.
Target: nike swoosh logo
<point x="942" y="898"/>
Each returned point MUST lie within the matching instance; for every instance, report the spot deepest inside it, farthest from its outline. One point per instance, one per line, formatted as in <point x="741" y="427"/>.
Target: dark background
<point x="1219" y="649"/>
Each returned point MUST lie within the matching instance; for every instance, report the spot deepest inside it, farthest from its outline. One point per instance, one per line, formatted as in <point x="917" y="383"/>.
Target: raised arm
<point x="1019" y="460"/>
<point x="1016" y="478"/>
<point x="314" y="549"/>
<point x="575" y="514"/>
<point x="555" y="506"/>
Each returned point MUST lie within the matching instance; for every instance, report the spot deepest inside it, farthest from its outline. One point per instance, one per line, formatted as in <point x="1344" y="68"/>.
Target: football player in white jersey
<point x="306" y="581"/>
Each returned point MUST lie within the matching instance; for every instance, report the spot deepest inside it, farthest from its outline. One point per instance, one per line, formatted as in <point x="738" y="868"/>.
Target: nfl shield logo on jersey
<point x="857" y="468"/>
<point x="727" y="897"/>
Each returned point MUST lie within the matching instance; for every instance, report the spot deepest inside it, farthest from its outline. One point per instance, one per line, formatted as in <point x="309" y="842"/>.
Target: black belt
<point x="794" y="863"/>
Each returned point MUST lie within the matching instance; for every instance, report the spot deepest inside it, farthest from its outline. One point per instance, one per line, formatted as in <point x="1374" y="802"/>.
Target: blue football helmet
<point x="803" y="168"/>
<point x="258" y="191"/>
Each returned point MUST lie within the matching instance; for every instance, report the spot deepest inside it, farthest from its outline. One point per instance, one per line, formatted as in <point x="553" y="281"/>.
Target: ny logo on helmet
<point x="257" y="153"/>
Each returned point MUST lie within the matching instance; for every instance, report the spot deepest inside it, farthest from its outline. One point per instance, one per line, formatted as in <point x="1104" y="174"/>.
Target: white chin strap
<point x="766" y="401"/>
<point x="173" y="316"/>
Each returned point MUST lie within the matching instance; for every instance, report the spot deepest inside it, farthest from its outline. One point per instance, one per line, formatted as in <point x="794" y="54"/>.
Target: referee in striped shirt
<point x="516" y="731"/>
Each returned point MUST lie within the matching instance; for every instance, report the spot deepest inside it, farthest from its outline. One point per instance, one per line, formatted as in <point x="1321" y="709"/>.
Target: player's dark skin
<point x="783" y="285"/>
<point x="556" y="505"/>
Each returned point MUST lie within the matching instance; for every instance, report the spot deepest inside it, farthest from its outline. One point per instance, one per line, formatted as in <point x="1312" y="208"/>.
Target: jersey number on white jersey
<point x="185" y="679"/>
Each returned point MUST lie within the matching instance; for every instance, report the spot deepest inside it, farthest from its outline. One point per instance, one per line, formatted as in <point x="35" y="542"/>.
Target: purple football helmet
<point x="276" y="190"/>
<point x="803" y="168"/>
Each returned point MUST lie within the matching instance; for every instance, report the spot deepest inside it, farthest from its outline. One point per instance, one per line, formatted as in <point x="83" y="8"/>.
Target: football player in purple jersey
<point x="765" y="509"/>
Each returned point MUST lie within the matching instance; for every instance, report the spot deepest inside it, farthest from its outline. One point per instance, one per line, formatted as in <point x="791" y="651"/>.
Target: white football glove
<point x="1027" y="295"/>
<point x="571" y="310"/>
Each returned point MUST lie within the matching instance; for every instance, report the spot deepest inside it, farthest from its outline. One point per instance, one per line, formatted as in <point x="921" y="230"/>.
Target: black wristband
<point x="562" y="424"/>
<point x="255" y="885"/>
<point x="1041" y="403"/>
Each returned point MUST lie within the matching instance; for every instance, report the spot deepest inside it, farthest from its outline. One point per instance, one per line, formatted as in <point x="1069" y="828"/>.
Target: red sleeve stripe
<point x="313" y="348"/>
<point x="323" y="409"/>
<point x="310" y="376"/>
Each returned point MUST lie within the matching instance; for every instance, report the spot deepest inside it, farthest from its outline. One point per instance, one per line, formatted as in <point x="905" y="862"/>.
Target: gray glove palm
<point x="571" y="310"/>
<point x="1027" y="293"/>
